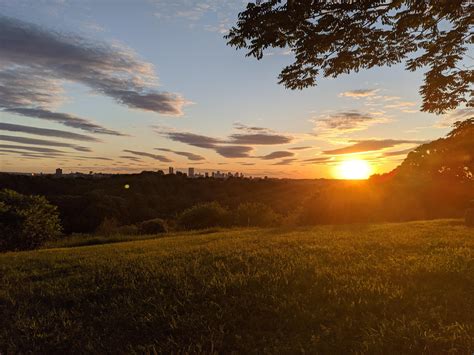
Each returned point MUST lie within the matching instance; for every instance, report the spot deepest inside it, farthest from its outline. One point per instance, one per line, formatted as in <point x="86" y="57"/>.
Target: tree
<point x="450" y="158"/>
<point x="336" y="37"/>
<point x="26" y="222"/>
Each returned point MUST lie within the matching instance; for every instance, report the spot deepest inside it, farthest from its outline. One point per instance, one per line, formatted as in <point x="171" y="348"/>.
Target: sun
<point x="354" y="170"/>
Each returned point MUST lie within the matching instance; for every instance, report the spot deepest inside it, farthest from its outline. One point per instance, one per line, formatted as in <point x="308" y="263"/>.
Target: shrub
<point x="108" y="227"/>
<point x="153" y="226"/>
<point x="469" y="217"/>
<point x="203" y="216"/>
<point x="255" y="214"/>
<point x="26" y="222"/>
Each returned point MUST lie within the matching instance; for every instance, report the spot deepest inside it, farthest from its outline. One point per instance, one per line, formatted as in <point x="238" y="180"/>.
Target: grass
<point x="385" y="288"/>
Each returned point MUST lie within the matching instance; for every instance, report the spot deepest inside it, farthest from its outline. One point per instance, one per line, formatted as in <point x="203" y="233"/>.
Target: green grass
<point x="386" y="288"/>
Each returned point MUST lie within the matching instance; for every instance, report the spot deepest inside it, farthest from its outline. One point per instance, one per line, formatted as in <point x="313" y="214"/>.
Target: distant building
<point x="171" y="170"/>
<point x="191" y="172"/>
<point x="59" y="172"/>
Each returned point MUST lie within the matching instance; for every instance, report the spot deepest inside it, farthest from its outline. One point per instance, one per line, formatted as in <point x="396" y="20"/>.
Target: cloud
<point x="362" y="146"/>
<point x="359" y="93"/>
<point x="161" y="158"/>
<point x="46" y="132"/>
<point x="235" y="146"/>
<point x="190" y="156"/>
<point x="195" y="140"/>
<point x="278" y="155"/>
<point x="349" y="121"/>
<point x="233" y="151"/>
<point x="35" y="62"/>
<point x="398" y="152"/>
<point x="285" y="161"/>
<point x="243" y="127"/>
<point x="319" y="160"/>
<point x="34" y="141"/>
<point x="300" y="148"/>
<point x="32" y="149"/>
<point x="259" y="139"/>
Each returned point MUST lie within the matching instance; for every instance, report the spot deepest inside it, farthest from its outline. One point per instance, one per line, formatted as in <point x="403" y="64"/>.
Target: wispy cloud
<point x="301" y="148"/>
<point x="288" y="161"/>
<point x="345" y="121"/>
<point x="362" y="146"/>
<point x="277" y="155"/>
<point x="161" y="158"/>
<point x="35" y="62"/>
<point x="46" y="132"/>
<point x="34" y="141"/>
<point x="189" y="155"/>
<point x="359" y="93"/>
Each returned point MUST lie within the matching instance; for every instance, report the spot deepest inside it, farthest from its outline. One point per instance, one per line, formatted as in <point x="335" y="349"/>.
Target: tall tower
<point x="191" y="172"/>
<point x="171" y="170"/>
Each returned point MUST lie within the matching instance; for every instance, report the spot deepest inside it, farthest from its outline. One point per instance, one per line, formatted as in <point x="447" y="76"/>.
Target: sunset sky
<point x="122" y="86"/>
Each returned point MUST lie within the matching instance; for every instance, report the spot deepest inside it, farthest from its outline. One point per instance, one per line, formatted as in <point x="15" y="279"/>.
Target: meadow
<point x="368" y="288"/>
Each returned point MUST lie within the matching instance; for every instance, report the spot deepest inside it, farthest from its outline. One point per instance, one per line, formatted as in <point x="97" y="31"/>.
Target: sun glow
<point x="354" y="170"/>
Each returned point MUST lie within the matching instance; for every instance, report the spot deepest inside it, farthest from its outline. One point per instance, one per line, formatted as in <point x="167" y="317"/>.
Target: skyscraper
<point x="191" y="172"/>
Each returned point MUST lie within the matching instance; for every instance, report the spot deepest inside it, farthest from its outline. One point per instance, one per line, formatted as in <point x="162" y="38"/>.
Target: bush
<point x="26" y="222"/>
<point x="108" y="227"/>
<point x="203" y="216"/>
<point x="255" y="214"/>
<point x="153" y="226"/>
<point x="469" y="217"/>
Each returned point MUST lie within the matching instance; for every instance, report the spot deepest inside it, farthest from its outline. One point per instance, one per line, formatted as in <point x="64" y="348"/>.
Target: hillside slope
<point x="391" y="288"/>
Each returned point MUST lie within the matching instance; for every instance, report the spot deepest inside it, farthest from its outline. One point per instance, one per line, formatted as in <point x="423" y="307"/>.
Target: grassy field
<point x="386" y="288"/>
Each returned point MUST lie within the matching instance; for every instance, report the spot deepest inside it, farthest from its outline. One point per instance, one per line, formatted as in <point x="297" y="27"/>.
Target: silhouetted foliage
<point x="26" y="222"/>
<point x="255" y="214"/>
<point x="337" y="37"/>
<point x="450" y="158"/>
<point x="203" y="216"/>
<point x="108" y="227"/>
<point x="153" y="226"/>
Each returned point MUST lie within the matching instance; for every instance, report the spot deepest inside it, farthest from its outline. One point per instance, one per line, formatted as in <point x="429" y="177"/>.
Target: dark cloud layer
<point x="235" y="146"/>
<point x="370" y="145"/>
<point x="46" y="132"/>
<point x="35" y="62"/>
<point x="65" y="119"/>
<point x="34" y="141"/>
<point x="31" y="149"/>
<point x="278" y="155"/>
<point x="189" y="155"/>
<point x="233" y="151"/>
<point x="161" y="158"/>
<point x="259" y="139"/>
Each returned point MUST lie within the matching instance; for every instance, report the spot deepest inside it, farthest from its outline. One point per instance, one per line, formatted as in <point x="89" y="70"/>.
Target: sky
<point x="126" y="86"/>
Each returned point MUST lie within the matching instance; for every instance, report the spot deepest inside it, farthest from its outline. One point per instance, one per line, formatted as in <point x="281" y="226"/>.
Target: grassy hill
<point x="391" y="288"/>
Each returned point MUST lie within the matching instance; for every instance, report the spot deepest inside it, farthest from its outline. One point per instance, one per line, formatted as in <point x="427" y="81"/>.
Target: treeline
<point x="84" y="204"/>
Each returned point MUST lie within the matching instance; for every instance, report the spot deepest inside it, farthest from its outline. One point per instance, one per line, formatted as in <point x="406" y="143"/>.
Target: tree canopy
<point x="336" y="37"/>
<point x="451" y="157"/>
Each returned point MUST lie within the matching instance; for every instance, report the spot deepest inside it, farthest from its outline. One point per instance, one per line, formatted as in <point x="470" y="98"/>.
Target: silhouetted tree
<point x="26" y="222"/>
<point x="451" y="157"/>
<point x="336" y="37"/>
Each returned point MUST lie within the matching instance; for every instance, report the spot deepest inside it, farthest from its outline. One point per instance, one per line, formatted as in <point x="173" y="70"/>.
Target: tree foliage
<point x="450" y="158"/>
<point x="337" y="37"/>
<point x="26" y="222"/>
